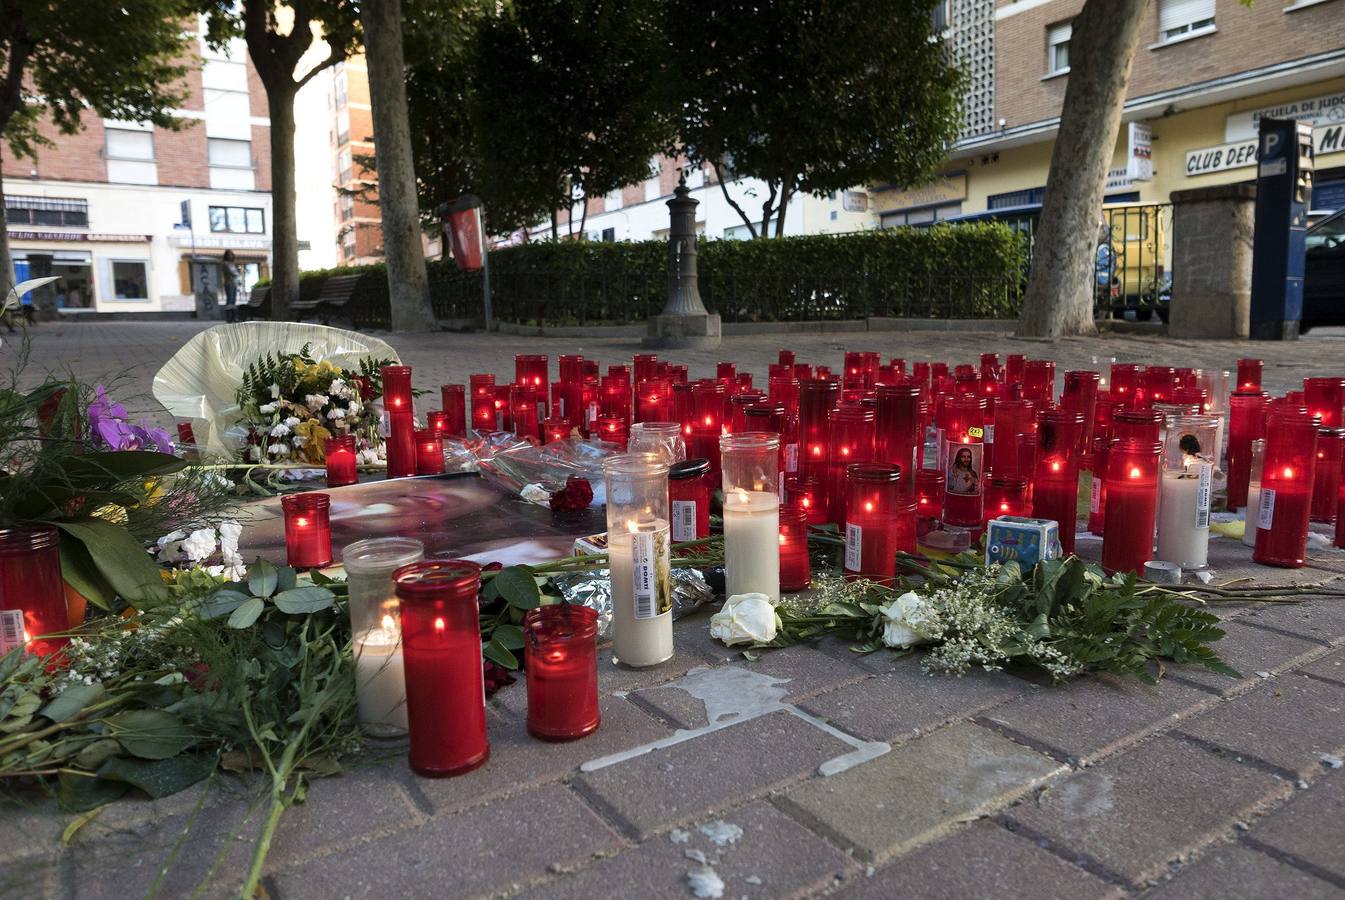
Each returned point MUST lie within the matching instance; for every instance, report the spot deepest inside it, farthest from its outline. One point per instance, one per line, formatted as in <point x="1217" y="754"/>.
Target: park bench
<point x="330" y="302"/>
<point x="257" y="306"/>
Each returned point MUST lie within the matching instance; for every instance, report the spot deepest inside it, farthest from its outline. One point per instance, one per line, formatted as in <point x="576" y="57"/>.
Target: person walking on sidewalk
<point x="230" y="286"/>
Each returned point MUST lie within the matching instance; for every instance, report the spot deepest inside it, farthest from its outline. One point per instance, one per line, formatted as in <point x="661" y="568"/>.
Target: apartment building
<point x="1204" y="74"/>
<point x="103" y="209"/>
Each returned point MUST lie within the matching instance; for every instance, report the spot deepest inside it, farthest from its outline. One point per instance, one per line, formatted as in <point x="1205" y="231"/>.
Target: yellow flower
<point x="111" y="512"/>
<point x="313" y="450"/>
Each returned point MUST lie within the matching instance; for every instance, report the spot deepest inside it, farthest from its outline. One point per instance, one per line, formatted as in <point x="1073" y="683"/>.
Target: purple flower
<point x="109" y="428"/>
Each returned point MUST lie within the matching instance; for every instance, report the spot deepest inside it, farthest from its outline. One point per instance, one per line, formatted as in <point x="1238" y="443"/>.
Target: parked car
<point x="1324" y="274"/>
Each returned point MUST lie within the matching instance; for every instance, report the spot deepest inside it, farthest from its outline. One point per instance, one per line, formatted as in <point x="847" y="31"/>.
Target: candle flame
<point x="301" y="522"/>
<point x="439" y="625"/>
<point x="868" y="506"/>
<point x="1135" y="472"/>
<point x="1055" y="465"/>
<point x="632" y="527"/>
<point x="1288" y="472"/>
<point x="805" y="502"/>
<point x="742" y="496"/>
<point x="1004" y="507"/>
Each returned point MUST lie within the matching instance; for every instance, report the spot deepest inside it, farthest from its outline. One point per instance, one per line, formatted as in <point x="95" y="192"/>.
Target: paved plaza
<point x="995" y="784"/>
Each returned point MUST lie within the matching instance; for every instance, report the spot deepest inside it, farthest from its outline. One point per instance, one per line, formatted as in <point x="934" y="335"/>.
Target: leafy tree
<point x="60" y="59"/>
<point x="810" y="97"/>
<point x="279" y="33"/>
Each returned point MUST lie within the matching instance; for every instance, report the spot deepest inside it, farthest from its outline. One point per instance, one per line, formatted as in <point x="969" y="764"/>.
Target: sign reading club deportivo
<point x="1326" y="113"/>
<point x="1325" y="139"/>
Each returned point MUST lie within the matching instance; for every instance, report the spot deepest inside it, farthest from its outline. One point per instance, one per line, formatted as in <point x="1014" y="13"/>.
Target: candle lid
<point x="873" y="473"/>
<point x="376" y="556"/>
<point x="20" y="541"/>
<point x="308" y="502"/>
<point x="688" y="468"/>
<point x="432" y="577"/>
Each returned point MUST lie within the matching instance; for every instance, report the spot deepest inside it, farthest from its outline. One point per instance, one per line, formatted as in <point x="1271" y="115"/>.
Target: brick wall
<point x="261" y="155"/>
<point x="1245" y="39"/>
<point x="182" y="155"/>
<point x="74" y="157"/>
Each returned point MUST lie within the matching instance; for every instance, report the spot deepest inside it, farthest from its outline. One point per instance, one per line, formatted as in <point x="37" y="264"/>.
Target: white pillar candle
<point x="1250" y="513"/>
<point x="640" y="561"/>
<point x="1184" y="515"/>
<point x="752" y="543"/>
<point x="380" y="680"/>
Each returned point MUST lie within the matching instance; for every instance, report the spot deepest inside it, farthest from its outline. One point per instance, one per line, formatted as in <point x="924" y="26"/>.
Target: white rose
<point x="199" y="544"/>
<point x="292" y="421"/>
<point x="335" y="413"/>
<point x="280" y="430"/>
<point x="909" y="621"/>
<point x="168" y="547"/>
<point x="229" y="533"/>
<point x="316" y="401"/>
<point x="266" y="409"/>
<point x="745" y="619"/>
<point x="278" y="450"/>
<point x="337" y="388"/>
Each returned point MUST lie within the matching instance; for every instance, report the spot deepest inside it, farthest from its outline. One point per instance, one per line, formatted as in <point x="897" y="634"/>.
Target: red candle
<point x="613" y="430"/>
<point x="1039" y="381"/>
<point x="738" y="406"/>
<point x="555" y="430"/>
<point x="653" y="400"/>
<point x="897" y="431"/>
<point x="1005" y="495"/>
<point x="1159" y="382"/>
<point x="851" y="441"/>
<point x="1249" y="375"/>
<point x="308" y="530"/>
<point x="1080" y="396"/>
<point x="484" y="418"/>
<point x="445" y="684"/>
<point x="1137" y="424"/>
<point x="852" y="371"/>
<point x="504" y="419"/>
<point x="397" y="395"/>
<point x="801" y="491"/>
<point x="523" y="411"/>
<point x="795" y="566"/>
<point x="429" y="452"/>
<point x="532" y="370"/>
<point x="727" y="373"/>
<point x="817" y="398"/>
<point x="928" y="499"/>
<point x="1326" y="483"/>
<point x="689" y="499"/>
<point x="32" y="593"/>
<point x="1131" y="504"/>
<point x="401" y="444"/>
<point x="560" y="647"/>
<point x="1125" y="380"/>
<point x="340" y="455"/>
<point x="1015" y="364"/>
<point x="1286" y="489"/>
<point x="961" y="456"/>
<point x="1012" y="418"/>
<point x="1324" y="398"/>
<point x="1055" y="486"/>
<point x="707" y="422"/>
<point x="1246" y="423"/>
<point x="452" y="397"/>
<point x="871" y="521"/>
<point x="437" y="422"/>
<point x="1340" y="515"/>
<point x="1097" y="501"/>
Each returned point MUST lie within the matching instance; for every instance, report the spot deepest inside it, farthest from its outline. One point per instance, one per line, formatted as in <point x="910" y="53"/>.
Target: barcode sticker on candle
<point x="684" y="520"/>
<point x="11" y="630"/>
<point x="990" y="434"/>
<point x="854" y="544"/>
<point x="1266" y="514"/>
<point x="642" y="551"/>
<point x="1203" y="496"/>
<point x="1095" y="501"/>
<point x="791" y="458"/>
<point x="592" y="414"/>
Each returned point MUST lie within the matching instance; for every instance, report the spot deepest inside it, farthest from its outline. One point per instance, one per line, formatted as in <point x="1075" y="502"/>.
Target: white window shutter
<point x="1176" y="13"/>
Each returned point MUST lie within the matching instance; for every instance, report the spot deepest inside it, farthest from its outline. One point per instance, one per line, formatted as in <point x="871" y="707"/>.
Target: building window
<point x="609" y="234"/>
<point x="230" y="154"/>
<point x="129" y="149"/>
<point x="341" y="83"/>
<point x="130" y="279"/>
<point x="345" y="173"/>
<point x="939" y="17"/>
<point x="237" y="218"/>
<point x="922" y="217"/>
<point x="1179" y="18"/>
<point x="1028" y="197"/>
<point x="347" y="205"/>
<point x="1057" y="48"/>
<point x="612" y="201"/>
<point x="130" y="145"/>
<point x="66" y="212"/>
<point x="343" y="127"/>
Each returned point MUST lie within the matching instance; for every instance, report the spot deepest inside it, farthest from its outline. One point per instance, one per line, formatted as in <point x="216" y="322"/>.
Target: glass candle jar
<point x="769" y="418"/>
<point x="376" y="632"/>
<point x="401" y="444"/>
<point x="1039" y="381"/>
<point x="1005" y="495"/>
<point x="707" y="423"/>
<point x="308" y="530"/>
<point x="554" y="430"/>
<point x="928" y="500"/>
<point x="1136" y="424"/>
<point x="1246" y="423"/>
<point x="871" y="521"/>
<point x="436" y="420"/>
<point x="504" y="419"/>
<point x="897" y="429"/>
<point x="1131" y="504"/>
<point x="850" y="441"/>
<point x="1055" y="485"/>
<point x="1326" y="483"/>
<point x="532" y="370"/>
<point x="1185" y="490"/>
<point x="570" y="367"/>
<point x="1324" y="397"/>
<point x="1012" y="418"/>
<point x="1097" y="500"/>
<point x="817" y="398"/>
<point x="445" y="683"/>
<point x="785" y="357"/>
<point x="795" y="566"/>
<point x="397" y="396"/>
<point x="738" y="405"/>
<point x="750" y="466"/>
<point x="614" y="396"/>
<point x="32" y="592"/>
<point x="639" y="558"/>
<point x="523" y="411"/>
<point x="1159" y="382"/>
<point x="1015" y="364"/>
<point x="1080" y="396"/>
<point x="453" y="401"/>
<point x="962" y="459"/>
<point x="1249" y="375"/>
<point x="483" y="403"/>
<point x="340" y="455"/>
<point x="689" y="499"/>
<point x="429" y="452"/>
<point x="663" y="439"/>
<point x="1125" y="380"/>
<point x="1257" y="467"/>
<point x="612" y="429"/>
<point x="560" y="650"/>
<point x="653" y="400"/>
<point x="801" y="491"/>
<point x="1286" y="490"/>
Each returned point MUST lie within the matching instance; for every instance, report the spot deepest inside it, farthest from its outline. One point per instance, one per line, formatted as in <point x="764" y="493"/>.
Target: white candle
<point x="380" y="680"/>
<point x="752" y="543"/>
<point x="1184" y="515"/>
<point x="640" y="561"/>
<point x="1250" y="513"/>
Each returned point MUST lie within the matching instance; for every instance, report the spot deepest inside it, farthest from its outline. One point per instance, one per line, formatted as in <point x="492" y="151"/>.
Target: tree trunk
<point x="1059" y="298"/>
<point x="284" y="227"/>
<point x="7" y="277"/>
<point x="408" y="284"/>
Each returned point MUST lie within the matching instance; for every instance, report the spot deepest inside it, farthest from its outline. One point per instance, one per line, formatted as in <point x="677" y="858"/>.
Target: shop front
<point x="95" y="271"/>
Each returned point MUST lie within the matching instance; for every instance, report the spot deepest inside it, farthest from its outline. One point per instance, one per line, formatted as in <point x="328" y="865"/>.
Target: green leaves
<point x="159" y="777"/>
<point x="517" y="586"/>
<point x="71" y="701"/>
<point x="112" y="557"/>
<point x="263" y="578"/>
<point x="299" y="600"/>
<point x="247" y="612"/>
<point x="245" y="609"/>
<point x="150" y="733"/>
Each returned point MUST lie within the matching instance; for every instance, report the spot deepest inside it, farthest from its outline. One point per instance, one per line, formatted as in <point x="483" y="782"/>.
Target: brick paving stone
<point x="1308" y="827"/>
<point x="1089" y="718"/>
<point x="30" y="825"/>
<point x="656" y="791"/>
<point x="1330" y="667"/>
<point x="1133" y="814"/>
<point x="479" y="852"/>
<point x="518" y="760"/>
<point x="1250" y="650"/>
<point x="1290" y="722"/>
<point x="1317" y="618"/>
<point x="982" y="860"/>
<point x="906" y="702"/>
<point x="1236" y="871"/>
<point x="32" y="877"/>
<point x="918" y="792"/>
<point x="370" y="794"/>
<point x="782" y="858"/>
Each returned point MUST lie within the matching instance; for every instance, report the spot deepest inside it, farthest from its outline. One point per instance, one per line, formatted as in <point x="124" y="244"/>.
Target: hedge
<point x="948" y="271"/>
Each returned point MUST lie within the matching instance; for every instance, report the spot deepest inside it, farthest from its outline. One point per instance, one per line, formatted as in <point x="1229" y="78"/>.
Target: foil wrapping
<point x="690" y="592"/>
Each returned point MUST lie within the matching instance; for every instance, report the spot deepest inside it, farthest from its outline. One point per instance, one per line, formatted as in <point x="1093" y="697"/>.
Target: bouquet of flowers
<point x="291" y="403"/>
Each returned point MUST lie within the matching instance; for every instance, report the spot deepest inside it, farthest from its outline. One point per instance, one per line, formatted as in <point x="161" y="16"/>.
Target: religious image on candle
<point x="964" y="468"/>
